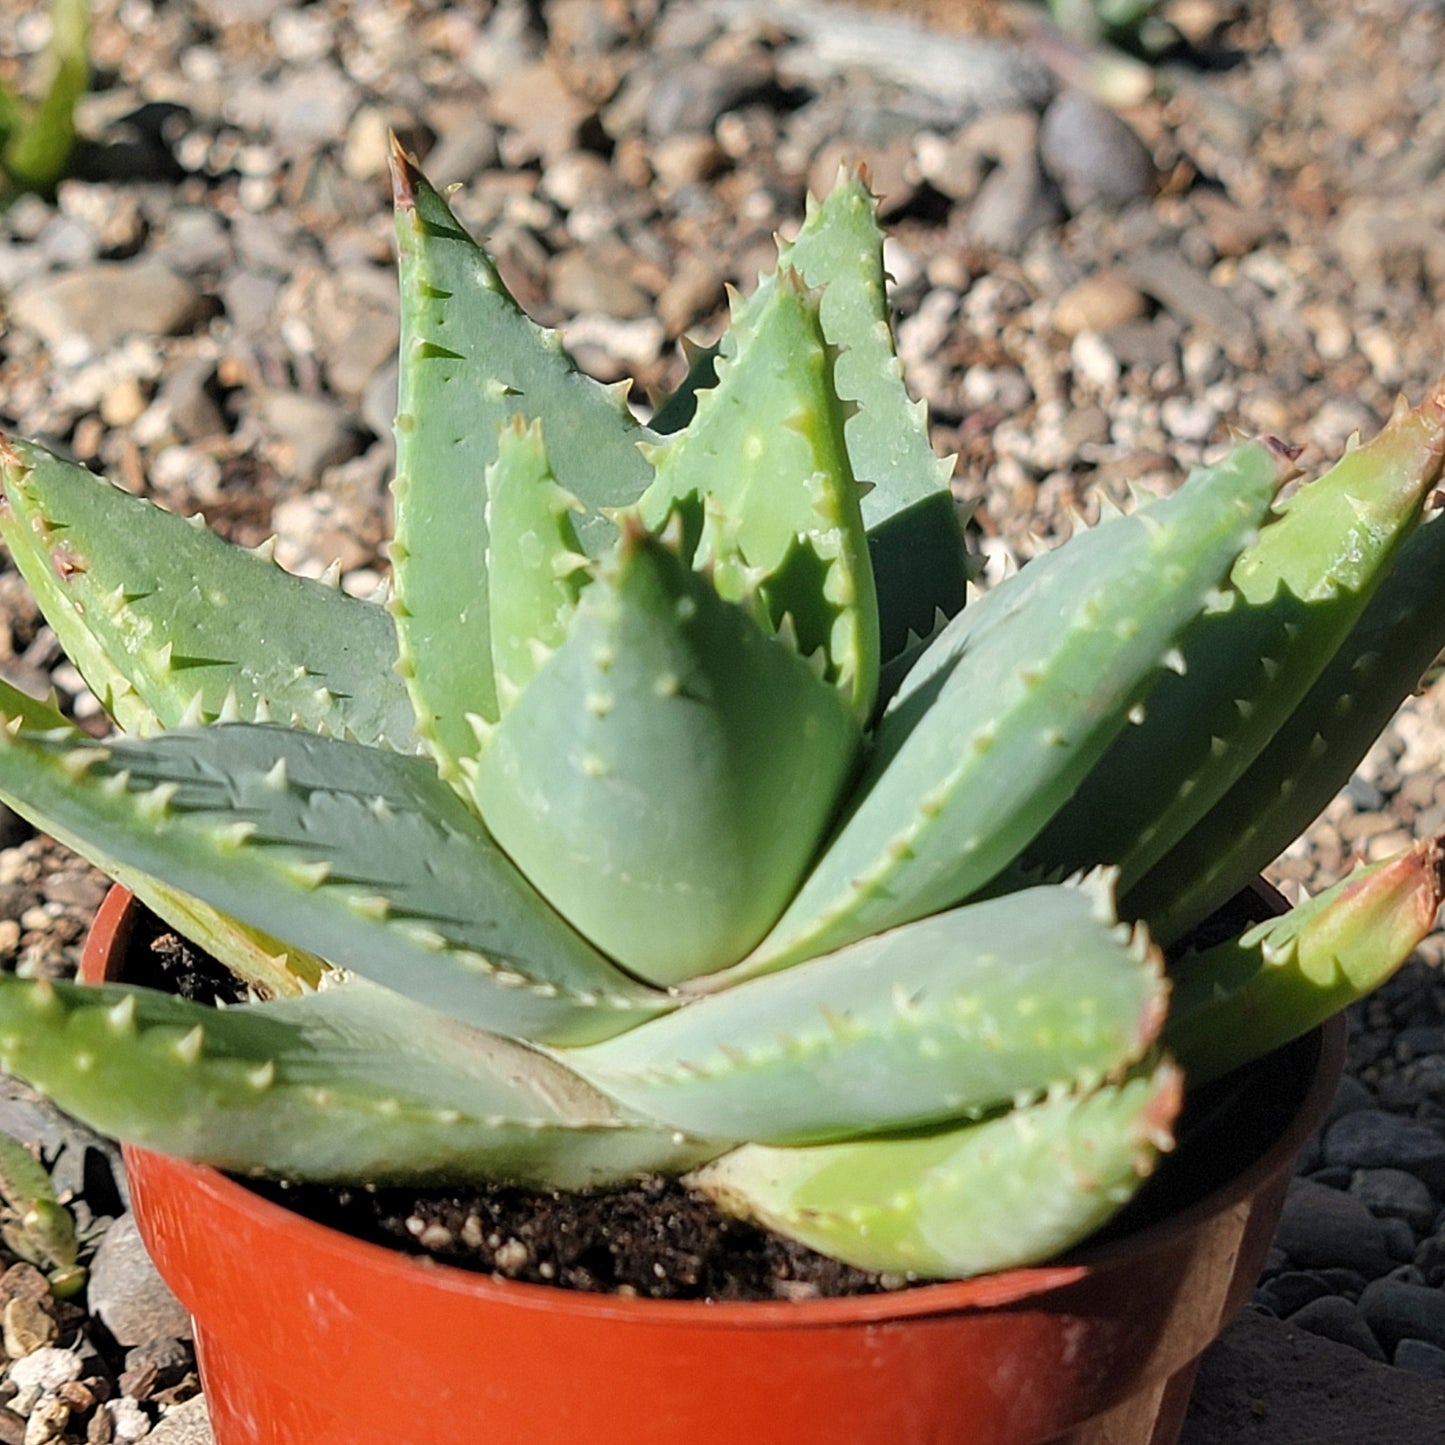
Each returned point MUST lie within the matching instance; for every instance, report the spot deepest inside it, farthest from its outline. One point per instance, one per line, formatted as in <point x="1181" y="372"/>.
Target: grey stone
<point x="133" y="1302"/>
<point x="1349" y="1096"/>
<point x="106" y="301"/>
<point x="1421" y="1358"/>
<point x="312" y="433"/>
<point x="1376" y="1139"/>
<point x="1290" y="1291"/>
<point x="1396" y="1311"/>
<point x="49" y="1367"/>
<point x="184" y="405"/>
<point x="378" y="401"/>
<point x="1092" y="154"/>
<point x="1191" y="295"/>
<point x="1265" y="1382"/>
<point x="1334" y="1318"/>
<point x="692" y="94"/>
<point x="250" y="301"/>
<point x="1322" y="1227"/>
<point x="1399" y="1239"/>
<point x="1394" y="1194"/>
<point x="305" y="106"/>
<point x="185" y="1424"/>
<point x="195" y="241"/>
<point x="1014" y="201"/>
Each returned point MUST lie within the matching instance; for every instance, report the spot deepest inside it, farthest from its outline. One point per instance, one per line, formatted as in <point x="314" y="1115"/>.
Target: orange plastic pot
<point x="309" y="1337"/>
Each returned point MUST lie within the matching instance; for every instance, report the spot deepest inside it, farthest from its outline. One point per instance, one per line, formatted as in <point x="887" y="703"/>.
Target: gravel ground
<point x="1090" y="301"/>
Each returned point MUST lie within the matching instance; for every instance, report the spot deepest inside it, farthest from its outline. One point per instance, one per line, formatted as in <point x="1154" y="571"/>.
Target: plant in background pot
<point x="677" y="818"/>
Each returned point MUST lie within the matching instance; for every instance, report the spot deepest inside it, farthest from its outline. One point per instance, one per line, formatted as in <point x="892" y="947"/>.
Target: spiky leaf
<point x="952" y="1016"/>
<point x="1019" y="698"/>
<point x="168" y="622"/>
<point x="352" y="1083"/>
<point x="762" y="476"/>
<point x="1246" y="997"/>
<point x="667" y="775"/>
<point x="956" y="1202"/>
<point x="1312" y="755"/>
<point x="470" y="360"/>
<point x="360" y="855"/>
<point x="535" y="569"/>
<point x="1296" y="593"/>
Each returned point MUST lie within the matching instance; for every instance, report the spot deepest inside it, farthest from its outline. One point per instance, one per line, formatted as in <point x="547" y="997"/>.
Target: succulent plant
<point x="36" y="138"/>
<point x="677" y="816"/>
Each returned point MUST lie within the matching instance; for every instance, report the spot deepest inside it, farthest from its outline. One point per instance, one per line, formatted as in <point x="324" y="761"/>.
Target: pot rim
<point x="106" y="943"/>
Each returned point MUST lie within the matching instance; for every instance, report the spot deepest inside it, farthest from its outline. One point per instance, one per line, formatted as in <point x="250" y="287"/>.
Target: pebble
<point x="1013" y="203"/>
<point x="184" y="1424"/>
<point x="1373" y="1139"/>
<point x="1395" y="1311"/>
<point x="48" y="1368"/>
<point x="1335" y="1318"/>
<point x="1420" y="1357"/>
<point x="1098" y="303"/>
<point x="128" y="1421"/>
<point x="1394" y="1194"/>
<point x="127" y="1293"/>
<point x="1092" y="154"/>
<point x="1323" y="1227"/>
<point x="102" y="303"/>
<point x="27" y="1326"/>
<point x="310" y="432"/>
<point x="691" y="96"/>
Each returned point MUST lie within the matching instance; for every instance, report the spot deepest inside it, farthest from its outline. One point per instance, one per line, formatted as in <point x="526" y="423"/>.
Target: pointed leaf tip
<point x="404" y="175"/>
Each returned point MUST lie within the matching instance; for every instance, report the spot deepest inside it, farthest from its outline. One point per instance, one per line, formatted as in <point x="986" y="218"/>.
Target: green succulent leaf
<point x="470" y="361"/>
<point x="535" y="568"/>
<point x="1246" y="997"/>
<point x="1313" y="753"/>
<point x="37" y="1227"/>
<point x="762" y="479"/>
<point x="955" y="1202"/>
<point x="351" y="1083"/>
<point x="668" y="773"/>
<point x="915" y="532"/>
<point x="1243" y="670"/>
<point x="1012" y="706"/>
<point x="273" y="968"/>
<point x="953" y="1016"/>
<point x="36" y="142"/>
<point x="168" y="623"/>
<point x="361" y="855"/>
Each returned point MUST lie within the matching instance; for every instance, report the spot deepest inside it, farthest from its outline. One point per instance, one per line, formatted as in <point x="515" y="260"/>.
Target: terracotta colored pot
<point x="309" y="1337"/>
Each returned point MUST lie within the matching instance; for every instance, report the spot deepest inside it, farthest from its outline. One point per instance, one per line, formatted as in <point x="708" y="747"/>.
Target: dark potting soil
<point x="655" y="1238"/>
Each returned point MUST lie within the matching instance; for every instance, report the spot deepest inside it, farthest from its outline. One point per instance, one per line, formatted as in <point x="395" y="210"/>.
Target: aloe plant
<point x="676" y="815"/>
<point x="37" y="137"/>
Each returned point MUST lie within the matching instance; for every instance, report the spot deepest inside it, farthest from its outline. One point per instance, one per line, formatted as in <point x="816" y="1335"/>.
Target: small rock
<point x="184" y="408"/>
<point x="47" y="1421"/>
<point x="133" y="1302"/>
<point x="1012" y="204"/>
<point x="584" y="280"/>
<point x="1399" y="1239"/>
<point x="102" y="303"/>
<point x="368" y="144"/>
<point x="184" y="1424"/>
<point x="1394" y="1194"/>
<point x="48" y="1367"/>
<point x="1093" y="360"/>
<point x="317" y="528"/>
<point x="543" y="115"/>
<point x="1321" y="1227"/>
<point x="1290" y="1291"/>
<point x="128" y="1421"/>
<point x="690" y="96"/>
<point x="1421" y="1358"/>
<point x="1092" y="154"/>
<point x="1188" y="419"/>
<point x="686" y="160"/>
<point x="1396" y="1311"/>
<point x="1335" y="1318"/>
<point x="1375" y="1139"/>
<point x="155" y="1365"/>
<point x="1098" y="303"/>
<point x="28" y="1327"/>
<point x="250" y="301"/>
<point x="352" y="314"/>
<point x="311" y="432"/>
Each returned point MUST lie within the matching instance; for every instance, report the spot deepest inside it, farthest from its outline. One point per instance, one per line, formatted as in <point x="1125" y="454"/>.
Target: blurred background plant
<point x="37" y="136"/>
